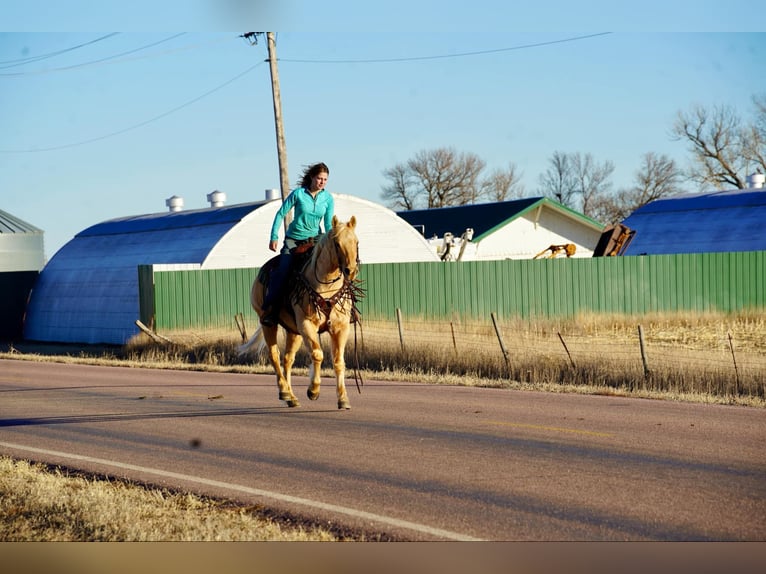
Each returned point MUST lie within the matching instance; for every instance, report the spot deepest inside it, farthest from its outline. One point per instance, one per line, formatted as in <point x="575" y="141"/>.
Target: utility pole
<point x="284" y="180"/>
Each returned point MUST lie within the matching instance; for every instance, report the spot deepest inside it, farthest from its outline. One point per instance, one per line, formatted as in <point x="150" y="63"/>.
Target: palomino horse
<point x="321" y="299"/>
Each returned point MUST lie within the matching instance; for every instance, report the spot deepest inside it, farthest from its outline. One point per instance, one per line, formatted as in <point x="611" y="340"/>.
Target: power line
<point x="93" y="62"/>
<point x="444" y="56"/>
<point x="22" y="61"/>
<point x="136" y="126"/>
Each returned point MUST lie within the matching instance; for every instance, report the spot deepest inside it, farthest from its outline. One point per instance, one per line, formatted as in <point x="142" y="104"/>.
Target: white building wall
<point x="528" y="235"/>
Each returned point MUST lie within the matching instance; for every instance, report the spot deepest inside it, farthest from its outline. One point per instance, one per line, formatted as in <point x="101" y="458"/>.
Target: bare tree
<point x="754" y="137"/>
<point x="399" y="193"/>
<point x="557" y="182"/>
<point x="446" y="176"/>
<point x="716" y="144"/>
<point x="502" y="184"/>
<point x="658" y="177"/>
<point x="591" y="180"/>
<point x="435" y="178"/>
<point x="576" y="180"/>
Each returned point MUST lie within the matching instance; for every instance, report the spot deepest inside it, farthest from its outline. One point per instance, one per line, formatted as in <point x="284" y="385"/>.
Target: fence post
<point x="565" y="348"/>
<point x="500" y="339"/>
<point x="399" y="323"/>
<point x="643" y="351"/>
<point x="239" y="319"/>
<point x="452" y="327"/>
<point x="736" y="370"/>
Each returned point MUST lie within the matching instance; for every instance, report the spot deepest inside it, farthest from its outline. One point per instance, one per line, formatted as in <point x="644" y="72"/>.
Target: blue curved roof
<point x="700" y="223"/>
<point x="88" y="291"/>
<point x="198" y="218"/>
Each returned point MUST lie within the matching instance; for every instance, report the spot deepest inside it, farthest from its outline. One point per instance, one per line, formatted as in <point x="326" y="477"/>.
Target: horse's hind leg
<point x="292" y="344"/>
<point x="283" y="382"/>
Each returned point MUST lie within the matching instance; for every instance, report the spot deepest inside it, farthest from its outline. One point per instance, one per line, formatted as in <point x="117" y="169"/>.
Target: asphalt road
<point x="409" y="461"/>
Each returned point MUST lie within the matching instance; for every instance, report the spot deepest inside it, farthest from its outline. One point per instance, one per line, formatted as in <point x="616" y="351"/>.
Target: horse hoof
<point x="293" y="403"/>
<point x="344" y="405"/>
<point x="312" y="395"/>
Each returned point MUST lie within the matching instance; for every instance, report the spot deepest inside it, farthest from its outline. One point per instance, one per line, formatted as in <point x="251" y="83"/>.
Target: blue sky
<point x="115" y="127"/>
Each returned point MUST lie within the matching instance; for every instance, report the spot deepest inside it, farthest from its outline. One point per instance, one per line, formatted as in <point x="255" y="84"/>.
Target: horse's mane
<point x="320" y="244"/>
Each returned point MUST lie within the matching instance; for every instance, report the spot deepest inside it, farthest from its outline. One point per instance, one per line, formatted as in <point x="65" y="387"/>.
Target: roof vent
<point x="272" y="194"/>
<point x="756" y="180"/>
<point x="216" y="198"/>
<point x="175" y="203"/>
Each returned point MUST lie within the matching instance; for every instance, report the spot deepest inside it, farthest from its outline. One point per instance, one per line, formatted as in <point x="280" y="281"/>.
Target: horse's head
<point x="346" y="246"/>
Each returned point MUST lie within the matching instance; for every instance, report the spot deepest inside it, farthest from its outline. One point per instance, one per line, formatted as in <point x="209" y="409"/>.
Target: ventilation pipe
<point x="756" y="180"/>
<point x="272" y="194"/>
<point x="175" y="203"/>
<point x="216" y="198"/>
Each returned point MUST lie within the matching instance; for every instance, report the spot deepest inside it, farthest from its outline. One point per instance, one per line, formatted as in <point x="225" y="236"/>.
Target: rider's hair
<point x="311" y="171"/>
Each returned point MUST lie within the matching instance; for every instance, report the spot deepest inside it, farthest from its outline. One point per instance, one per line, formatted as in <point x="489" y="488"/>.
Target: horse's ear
<point x="335" y="221"/>
<point x="352" y="222"/>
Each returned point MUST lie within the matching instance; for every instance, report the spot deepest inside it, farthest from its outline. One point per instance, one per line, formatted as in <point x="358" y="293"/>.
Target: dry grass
<point x="709" y="358"/>
<point x="39" y="504"/>
<point x="714" y="358"/>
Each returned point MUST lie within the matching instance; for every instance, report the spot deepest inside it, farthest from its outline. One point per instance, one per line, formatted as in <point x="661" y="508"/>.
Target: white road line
<point x="422" y="528"/>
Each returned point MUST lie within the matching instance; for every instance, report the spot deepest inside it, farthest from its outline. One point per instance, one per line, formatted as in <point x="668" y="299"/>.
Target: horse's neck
<point x="324" y="264"/>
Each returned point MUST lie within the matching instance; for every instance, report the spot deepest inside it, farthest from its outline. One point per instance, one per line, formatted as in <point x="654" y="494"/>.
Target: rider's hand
<point x="273" y="245"/>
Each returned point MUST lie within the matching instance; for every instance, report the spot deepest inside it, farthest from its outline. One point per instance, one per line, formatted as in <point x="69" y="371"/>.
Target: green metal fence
<point x="700" y="282"/>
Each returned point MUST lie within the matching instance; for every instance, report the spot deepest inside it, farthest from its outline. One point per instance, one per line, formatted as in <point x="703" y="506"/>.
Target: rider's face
<point x="319" y="181"/>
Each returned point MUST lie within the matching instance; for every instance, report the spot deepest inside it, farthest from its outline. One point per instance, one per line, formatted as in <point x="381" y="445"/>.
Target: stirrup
<point x="270" y="317"/>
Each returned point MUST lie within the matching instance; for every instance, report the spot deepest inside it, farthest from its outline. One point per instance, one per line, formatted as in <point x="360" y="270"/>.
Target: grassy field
<point x="707" y="358"/>
<point x="711" y="358"/>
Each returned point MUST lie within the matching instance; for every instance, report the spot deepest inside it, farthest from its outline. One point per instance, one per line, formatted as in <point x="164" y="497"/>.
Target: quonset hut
<point x="21" y="258"/>
<point x="720" y="221"/>
<point x="88" y="291"/>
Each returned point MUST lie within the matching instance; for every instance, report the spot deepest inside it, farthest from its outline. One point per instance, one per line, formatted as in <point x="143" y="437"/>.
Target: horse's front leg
<point x="339" y="337"/>
<point x="311" y="337"/>
<point x="292" y="344"/>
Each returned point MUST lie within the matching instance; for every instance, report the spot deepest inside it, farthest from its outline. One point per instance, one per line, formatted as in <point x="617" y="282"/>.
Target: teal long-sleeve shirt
<point x="308" y="213"/>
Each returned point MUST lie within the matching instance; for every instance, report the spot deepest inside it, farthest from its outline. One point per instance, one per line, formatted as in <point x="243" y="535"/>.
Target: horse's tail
<point x="256" y="344"/>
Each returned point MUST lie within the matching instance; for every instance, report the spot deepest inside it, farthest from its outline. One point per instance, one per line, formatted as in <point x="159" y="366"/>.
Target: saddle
<point x="300" y="255"/>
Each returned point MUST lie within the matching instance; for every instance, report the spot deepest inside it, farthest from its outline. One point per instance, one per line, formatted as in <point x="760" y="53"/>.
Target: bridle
<point x="344" y="270"/>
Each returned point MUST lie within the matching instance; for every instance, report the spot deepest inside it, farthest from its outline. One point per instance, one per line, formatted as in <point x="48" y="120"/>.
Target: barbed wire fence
<point x="717" y="359"/>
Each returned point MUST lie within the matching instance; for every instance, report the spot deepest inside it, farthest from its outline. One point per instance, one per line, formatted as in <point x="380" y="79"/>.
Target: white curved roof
<point x="384" y="237"/>
<point x="88" y="291"/>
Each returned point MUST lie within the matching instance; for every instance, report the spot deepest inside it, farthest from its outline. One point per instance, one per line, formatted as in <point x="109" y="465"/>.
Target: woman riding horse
<point x="311" y="204"/>
<point x="321" y="299"/>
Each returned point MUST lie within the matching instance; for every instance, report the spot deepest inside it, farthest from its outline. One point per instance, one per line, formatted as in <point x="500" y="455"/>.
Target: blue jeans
<point x="278" y="276"/>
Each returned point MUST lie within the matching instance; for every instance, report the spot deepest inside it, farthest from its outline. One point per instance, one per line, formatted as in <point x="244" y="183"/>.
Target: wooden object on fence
<point x="644" y="360"/>
<point x="500" y="339"/>
<point x="399" y="323"/>
<point x="452" y="328"/>
<point x="565" y="348"/>
<point x="736" y="370"/>
<point x="239" y="319"/>
<point x="155" y="337"/>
